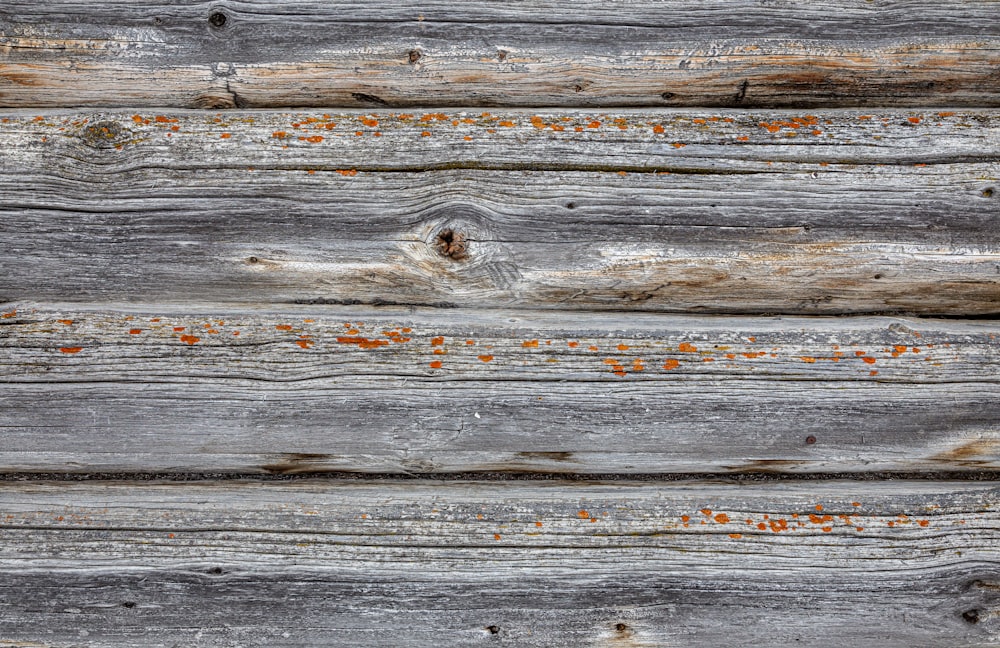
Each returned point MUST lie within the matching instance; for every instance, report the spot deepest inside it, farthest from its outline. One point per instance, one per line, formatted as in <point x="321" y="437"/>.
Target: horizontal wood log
<point x="389" y="564"/>
<point x="349" y="53"/>
<point x="732" y="212"/>
<point x="402" y="391"/>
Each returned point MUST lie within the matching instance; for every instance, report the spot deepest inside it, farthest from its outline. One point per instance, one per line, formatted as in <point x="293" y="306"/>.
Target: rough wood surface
<point x="382" y="390"/>
<point x="389" y="564"/>
<point x="351" y="53"/>
<point x="752" y="212"/>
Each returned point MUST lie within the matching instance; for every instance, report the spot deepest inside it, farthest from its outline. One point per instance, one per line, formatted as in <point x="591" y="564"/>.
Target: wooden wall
<point x="597" y="323"/>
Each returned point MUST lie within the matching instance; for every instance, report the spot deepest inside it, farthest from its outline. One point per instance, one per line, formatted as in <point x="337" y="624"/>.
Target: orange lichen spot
<point x="283" y="327"/>
<point x="236" y="333"/>
<point x="225" y="136"/>
<point x="637" y="365"/>
<point x="190" y="339"/>
<point x="485" y="358"/>
<point x="594" y="124"/>
<point x="592" y="348"/>
<point x="611" y="361"/>
<point x="369" y="122"/>
<point x="622" y="173"/>
<point x="468" y="138"/>
<point x="864" y="117"/>
<point x="678" y="145"/>
<point x="731" y="356"/>
<point x="530" y="344"/>
<point x="697" y="120"/>
<point x="658" y="129"/>
<point x="353" y="331"/>
<point x="13" y="313"/>
<point x="348" y="173"/>
<point x="946" y="114"/>
<point x="762" y="526"/>
<point x="670" y="364"/>
<point x="808" y="359"/>
<point x="436" y="364"/>
<point x="623" y="347"/>
<point x="827" y="529"/>
<point x="406" y="329"/>
<point x="538" y="524"/>
<point x="134" y="331"/>
<point x="470" y="342"/>
<point x="136" y="118"/>
<point x="496" y="536"/>
<point x="425" y="134"/>
<point x="537" y="122"/>
<point x="743" y="138"/>
<point x="437" y="341"/>
<point x="305" y="344"/>
<point x="735" y="536"/>
<point x="721" y="518"/>
<point x="440" y="351"/>
<point x="685" y="518"/>
<point x="923" y="523"/>
<point x="70" y="349"/>
<point x="913" y="120"/>
<point x="754" y="354"/>
<point x="506" y="124"/>
<point x="66" y="322"/>
<point x="279" y="134"/>
<point x="583" y="515"/>
<point x="819" y="507"/>
<point x="706" y="511"/>
<point x="816" y="132"/>
<point x="363" y="343"/>
<point x="685" y="347"/>
<point x="859" y="353"/>
<point x="572" y="345"/>
<point x="313" y="139"/>
<point x="868" y="360"/>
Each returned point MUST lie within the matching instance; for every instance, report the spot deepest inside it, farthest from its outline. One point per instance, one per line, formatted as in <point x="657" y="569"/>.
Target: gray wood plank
<point x="417" y="563"/>
<point x="308" y="389"/>
<point x="350" y="53"/>
<point x="753" y="212"/>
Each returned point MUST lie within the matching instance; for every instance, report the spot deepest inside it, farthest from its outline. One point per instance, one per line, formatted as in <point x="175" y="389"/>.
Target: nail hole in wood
<point x="571" y="205"/>
<point x="971" y="616"/>
<point x="621" y="627"/>
<point x="493" y="629"/>
<point x="217" y="20"/>
<point x="502" y="55"/>
<point x="215" y="570"/>
<point x="810" y="440"/>
<point x="253" y="259"/>
<point x="667" y="96"/>
<point x="414" y="56"/>
<point x="128" y="604"/>
<point x="878" y="275"/>
<point x="988" y="192"/>
<point x="451" y="244"/>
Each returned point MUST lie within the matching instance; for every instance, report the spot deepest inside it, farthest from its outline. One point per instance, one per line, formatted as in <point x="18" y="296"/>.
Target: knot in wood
<point x="451" y="244"/>
<point x="105" y="135"/>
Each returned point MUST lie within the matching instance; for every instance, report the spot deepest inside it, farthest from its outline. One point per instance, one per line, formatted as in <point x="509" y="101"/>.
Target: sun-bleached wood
<point x="533" y="564"/>
<point x="310" y="389"/>
<point x="697" y="211"/>
<point x="228" y="53"/>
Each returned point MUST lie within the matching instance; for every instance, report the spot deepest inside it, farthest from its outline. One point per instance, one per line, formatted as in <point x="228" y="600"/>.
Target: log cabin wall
<point x="536" y="323"/>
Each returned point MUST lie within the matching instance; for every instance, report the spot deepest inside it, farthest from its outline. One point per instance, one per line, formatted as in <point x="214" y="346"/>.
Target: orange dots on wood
<point x="70" y="350"/>
<point x="435" y="364"/>
<point x="685" y="347"/>
<point x="530" y="344"/>
<point x="190" y="339"/>
<point x="485" y="358"/>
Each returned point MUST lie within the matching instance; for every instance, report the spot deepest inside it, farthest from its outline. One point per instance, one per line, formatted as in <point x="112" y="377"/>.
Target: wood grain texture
<point x="731" y="212"/>
<point x="388" y="564"/>
<point x="401" y="391"/>
<point x="348" y="53"/>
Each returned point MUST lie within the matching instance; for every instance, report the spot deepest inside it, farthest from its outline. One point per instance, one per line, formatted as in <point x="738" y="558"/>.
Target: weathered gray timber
<point x="230" y="54"/>
<point x="530" y="564"/>
<point x="390" y="390"/>
<point x="726" y="212"/>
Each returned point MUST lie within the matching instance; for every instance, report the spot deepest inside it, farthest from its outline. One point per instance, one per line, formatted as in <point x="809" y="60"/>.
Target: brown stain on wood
<point x="971" y="453"/>
<point x="291" y="463"/>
